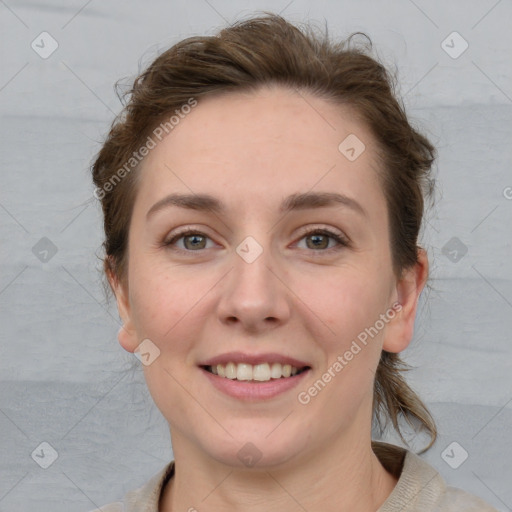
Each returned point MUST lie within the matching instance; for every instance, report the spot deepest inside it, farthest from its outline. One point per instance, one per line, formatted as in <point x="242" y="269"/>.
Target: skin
<point x="251" y="150"/>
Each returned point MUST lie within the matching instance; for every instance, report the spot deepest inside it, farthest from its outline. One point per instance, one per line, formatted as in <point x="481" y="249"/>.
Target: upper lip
<point x="253" y="359"/>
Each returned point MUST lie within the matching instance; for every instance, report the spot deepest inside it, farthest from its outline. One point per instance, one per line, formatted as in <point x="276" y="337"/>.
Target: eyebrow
<point x="303" y="201"/>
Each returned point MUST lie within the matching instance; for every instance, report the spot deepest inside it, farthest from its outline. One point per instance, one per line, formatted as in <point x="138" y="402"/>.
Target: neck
<point x="347" y="476"/>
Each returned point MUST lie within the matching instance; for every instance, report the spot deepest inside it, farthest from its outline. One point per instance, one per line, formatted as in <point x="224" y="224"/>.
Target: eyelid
<point x="188" y="231"/>
<point x="307" y="230"/>
<point x="341" y="239"/>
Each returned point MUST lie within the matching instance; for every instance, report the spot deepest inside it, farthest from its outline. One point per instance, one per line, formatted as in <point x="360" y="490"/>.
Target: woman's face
<point x="259" y="279"/>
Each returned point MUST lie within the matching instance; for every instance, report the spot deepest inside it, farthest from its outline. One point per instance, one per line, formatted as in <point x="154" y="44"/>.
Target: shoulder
<point x="420" y="486"/>
<point x="457" y="500"/>
<point x="144" y="498"/>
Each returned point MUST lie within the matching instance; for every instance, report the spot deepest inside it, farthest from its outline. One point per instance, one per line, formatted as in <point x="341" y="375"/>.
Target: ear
<point x="400" y="329"/>
<point x="127" y="335"/>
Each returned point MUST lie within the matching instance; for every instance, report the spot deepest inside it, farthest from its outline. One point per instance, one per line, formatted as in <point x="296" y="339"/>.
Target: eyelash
<point x="340" y="239"/>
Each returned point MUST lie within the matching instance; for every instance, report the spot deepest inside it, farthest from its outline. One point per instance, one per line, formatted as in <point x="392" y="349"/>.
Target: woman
<point x="262" y="196"/>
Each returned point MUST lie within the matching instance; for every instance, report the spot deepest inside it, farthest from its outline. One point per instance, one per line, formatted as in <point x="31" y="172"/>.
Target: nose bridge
<point x="252" y="264"/>
<point x="253" y="295"/>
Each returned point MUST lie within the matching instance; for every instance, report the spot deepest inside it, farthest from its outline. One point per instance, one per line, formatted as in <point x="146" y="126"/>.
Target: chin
<point x="258" y="450"/>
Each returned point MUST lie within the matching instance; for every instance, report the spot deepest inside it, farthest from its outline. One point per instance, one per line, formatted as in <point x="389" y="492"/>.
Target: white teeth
<point x="276" y="371"/>
<point x="260" y="372"/>
<point x="230" y="370"/>
<point x="244" y="372"/>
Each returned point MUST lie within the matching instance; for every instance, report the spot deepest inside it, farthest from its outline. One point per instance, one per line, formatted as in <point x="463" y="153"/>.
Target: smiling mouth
<point x="255" y="373"/>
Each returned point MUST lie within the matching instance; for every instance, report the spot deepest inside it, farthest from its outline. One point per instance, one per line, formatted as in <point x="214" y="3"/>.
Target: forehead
<point x="263" y="145"/>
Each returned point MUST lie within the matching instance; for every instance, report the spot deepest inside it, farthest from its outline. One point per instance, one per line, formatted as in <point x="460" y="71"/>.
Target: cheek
<point x="165" y="308"/>
<point x="170" y="308"/>
<point x="351" y="305"/>
<point x="348" y="303"/>
<point x="158" y="299"/>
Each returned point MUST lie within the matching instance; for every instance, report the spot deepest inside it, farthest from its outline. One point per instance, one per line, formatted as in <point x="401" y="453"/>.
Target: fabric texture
<point x="420" y="488"/>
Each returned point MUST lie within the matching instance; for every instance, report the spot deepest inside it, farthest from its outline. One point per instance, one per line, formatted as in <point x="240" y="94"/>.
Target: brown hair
<point x="268" y="50"/>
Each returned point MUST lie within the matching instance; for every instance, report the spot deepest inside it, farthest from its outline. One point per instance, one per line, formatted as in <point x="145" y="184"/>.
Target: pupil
<point x="195" y="238"/>
<point x="316" y="238"/>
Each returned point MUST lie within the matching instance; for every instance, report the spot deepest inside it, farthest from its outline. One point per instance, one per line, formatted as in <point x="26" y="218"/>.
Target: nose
<point x="254" y="295"/>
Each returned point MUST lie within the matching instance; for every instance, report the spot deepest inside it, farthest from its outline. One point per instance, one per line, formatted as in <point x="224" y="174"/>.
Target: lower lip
<point x="254" y="390"/>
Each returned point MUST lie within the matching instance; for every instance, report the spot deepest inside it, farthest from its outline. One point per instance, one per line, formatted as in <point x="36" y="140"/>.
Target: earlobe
<point x="126" y="338"/>
<point x="400" y="330"/>
<point x="126" y="335"/>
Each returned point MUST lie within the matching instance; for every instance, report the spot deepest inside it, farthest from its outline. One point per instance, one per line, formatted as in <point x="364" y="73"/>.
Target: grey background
<point x="65" y="380"/>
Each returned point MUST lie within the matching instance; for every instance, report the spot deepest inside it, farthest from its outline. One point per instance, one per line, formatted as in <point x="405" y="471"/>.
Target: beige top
<point x="420" y="488"/>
